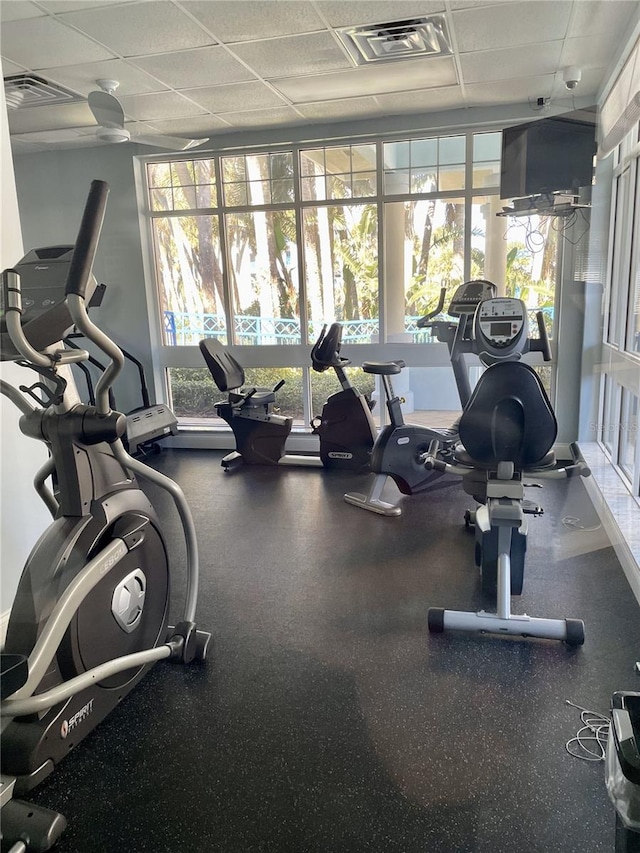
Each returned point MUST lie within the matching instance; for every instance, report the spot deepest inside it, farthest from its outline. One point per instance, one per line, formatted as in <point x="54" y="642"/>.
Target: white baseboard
<point x="623" y="552"/>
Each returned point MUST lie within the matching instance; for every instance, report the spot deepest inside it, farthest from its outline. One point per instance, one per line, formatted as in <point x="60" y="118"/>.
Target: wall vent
<point x="390" y="42"/>
<point x="28" y="90"/>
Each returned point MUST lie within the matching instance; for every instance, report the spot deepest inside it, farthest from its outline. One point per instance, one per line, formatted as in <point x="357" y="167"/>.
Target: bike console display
<point x="469" y="295"/>
<point x="501" y="327"/>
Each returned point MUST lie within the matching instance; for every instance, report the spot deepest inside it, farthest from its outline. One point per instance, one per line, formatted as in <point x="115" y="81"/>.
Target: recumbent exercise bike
<point x="507" y="430"/>
<point x="400" y="447"/>
<point x="345" y="427"/>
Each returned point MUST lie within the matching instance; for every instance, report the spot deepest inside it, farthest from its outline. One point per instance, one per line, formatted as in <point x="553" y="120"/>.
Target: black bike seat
<point x="383" y="368"/>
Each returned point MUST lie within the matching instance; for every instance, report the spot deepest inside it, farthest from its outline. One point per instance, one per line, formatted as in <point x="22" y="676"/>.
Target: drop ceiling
<point x="209" y="67"/>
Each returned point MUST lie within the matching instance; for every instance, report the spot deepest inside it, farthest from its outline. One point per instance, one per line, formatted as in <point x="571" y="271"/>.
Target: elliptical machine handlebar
<point x="78" y="278"/>
<point x="423" y="322"/>
<point x="87" y="240"/>
<point x="76" y="287"/>
<point x="12" y="295"/>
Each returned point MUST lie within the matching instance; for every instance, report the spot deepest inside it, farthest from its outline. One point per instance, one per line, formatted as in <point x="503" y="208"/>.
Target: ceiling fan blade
<point x="176" y="143"/>
<point x="106" y="109"/>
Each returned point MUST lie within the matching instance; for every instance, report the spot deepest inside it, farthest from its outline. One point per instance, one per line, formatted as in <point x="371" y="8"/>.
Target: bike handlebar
<point x="423" y="321"/>
<point x="87" y="239"/>
<point x="542" y="345"/>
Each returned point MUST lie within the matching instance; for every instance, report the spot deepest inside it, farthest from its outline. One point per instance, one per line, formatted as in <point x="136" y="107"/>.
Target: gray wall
<point x="23" y="516"/>
<point x="52" y="189"/>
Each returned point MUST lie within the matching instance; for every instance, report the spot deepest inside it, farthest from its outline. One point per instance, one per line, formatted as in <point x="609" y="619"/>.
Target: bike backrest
<point x="326" y="350"/>
<point x="226" y="371"/>
<point x="508" y="418"/>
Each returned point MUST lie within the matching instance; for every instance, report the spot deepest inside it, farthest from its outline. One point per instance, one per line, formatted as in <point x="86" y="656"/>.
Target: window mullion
<point x="224" y="252"/>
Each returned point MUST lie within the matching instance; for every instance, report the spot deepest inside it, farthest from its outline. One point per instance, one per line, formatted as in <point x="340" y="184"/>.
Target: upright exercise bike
<point x="345" y="427"/>
<point x="90" y="613"/>
<point x="400" y="447"/>
<point x="507" y="431"/>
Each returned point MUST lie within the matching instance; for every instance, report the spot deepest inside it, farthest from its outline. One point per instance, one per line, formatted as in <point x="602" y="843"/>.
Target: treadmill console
<point x="501" y="327"/>
<point x="469" y="295"/>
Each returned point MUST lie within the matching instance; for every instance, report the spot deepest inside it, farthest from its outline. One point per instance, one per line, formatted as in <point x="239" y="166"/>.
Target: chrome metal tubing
<point x="166" y="483"/>
<point x="78" y="311"/>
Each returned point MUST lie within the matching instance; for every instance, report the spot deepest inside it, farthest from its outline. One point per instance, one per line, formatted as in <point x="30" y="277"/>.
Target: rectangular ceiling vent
<point x="425" y="36"/>
<point x="28" y="90"/>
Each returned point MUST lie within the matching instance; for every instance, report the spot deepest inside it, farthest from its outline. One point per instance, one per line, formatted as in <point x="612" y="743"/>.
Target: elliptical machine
<point x="400" y="447"/>
<point x="90" y="614"/>
<point x="507" y="430"/>
<point x="346" y="427"/>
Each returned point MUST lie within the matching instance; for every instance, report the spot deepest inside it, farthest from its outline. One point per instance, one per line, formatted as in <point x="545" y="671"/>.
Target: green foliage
<point x="357" y="249"/>
<point x="194" y="393"/>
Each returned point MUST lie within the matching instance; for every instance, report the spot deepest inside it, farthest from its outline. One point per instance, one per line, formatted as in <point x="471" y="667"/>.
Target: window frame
<point x="166" y="356"/>
<point x="620" y="364"/>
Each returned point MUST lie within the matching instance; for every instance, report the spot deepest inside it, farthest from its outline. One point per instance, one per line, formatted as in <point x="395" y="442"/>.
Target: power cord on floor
<point x="589" y="744"/>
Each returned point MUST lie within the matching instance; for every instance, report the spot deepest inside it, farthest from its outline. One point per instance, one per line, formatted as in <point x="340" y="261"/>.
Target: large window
<point x="621" y="348"/>
<point x="261" y="248"/>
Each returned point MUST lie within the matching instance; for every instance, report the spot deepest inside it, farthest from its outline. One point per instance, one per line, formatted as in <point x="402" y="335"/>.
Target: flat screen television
<point x="550" y="155"/>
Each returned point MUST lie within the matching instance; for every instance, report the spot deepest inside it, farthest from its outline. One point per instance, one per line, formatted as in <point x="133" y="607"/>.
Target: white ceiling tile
<point x="18" y="10"/>
<point x="23" y="146"/>
<point x="595" y="17"/>
<point x="137" y="29"/>
<point x="11" y="68"/>
<point x="164" y="105"/>
<point x="370" y="80"/>
<point x="511" y="24"/>
<point x="82" y="78"/>
<point x="192" y="126"/>
<point x="43" y="42"/>
<point x="285" y="57"/>
<point x="514" y="91"/>
<point x="428" y="100"/>
<point x="264" y="118"/>
<point x="50" y="117"/>
<point x="589" y="51"/>
<point x="190" y="68"/>
<point x="530" y="61"/>
<point x="477" y="4"/>
<point x="231" y="21"/>
<point x="346" y="13"/>
<point x="229" y="98"/>
<point x="348" y="108"/>
<point x="58" y="6"/>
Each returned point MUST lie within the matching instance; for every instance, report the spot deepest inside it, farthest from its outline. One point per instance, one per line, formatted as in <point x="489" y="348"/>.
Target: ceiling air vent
<point x="397" y="40"/>
<point x="27" y="90"/>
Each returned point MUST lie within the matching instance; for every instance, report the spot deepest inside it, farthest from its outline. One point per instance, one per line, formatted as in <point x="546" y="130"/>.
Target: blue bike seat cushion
<point x="226" y="371"/>
<point x="508" y="418"/>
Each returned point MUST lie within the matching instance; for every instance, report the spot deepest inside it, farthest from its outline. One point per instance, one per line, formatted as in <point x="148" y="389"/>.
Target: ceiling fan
<point x="109" y="114"/>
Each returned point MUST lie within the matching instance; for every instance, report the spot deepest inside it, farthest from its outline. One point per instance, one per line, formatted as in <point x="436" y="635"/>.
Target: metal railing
<point x="185" y="329"/>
